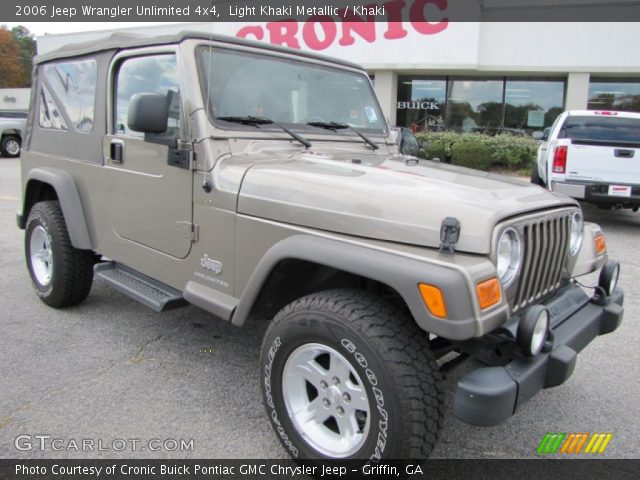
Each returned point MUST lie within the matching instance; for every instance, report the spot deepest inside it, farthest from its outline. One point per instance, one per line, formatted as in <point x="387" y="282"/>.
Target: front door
<point x="150" y="194"/>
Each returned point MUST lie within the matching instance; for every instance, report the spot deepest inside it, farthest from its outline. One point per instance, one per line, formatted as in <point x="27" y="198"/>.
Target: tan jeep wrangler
<point x="263" y="184"/>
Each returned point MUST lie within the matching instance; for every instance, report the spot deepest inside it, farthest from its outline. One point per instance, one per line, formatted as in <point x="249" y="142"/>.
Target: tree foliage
<point x="17" y="48"/>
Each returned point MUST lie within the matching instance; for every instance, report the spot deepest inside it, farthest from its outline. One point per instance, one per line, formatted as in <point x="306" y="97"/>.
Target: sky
<point x="42" y="28"/>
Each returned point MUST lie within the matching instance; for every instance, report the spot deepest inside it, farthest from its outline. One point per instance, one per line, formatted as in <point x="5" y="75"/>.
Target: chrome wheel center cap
<point x="334" y="395"/>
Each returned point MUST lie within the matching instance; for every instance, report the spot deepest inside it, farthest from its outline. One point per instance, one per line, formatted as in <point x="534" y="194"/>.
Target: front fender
<point x="399" y="272"/>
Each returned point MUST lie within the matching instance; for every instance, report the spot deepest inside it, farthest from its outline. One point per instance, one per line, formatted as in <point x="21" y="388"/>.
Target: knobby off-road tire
<point x="346" y="375"/>
<point x="61" y="274"/>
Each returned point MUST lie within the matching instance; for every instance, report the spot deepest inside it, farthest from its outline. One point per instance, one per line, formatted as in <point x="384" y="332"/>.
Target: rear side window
<point x="50" y="116"/>
<point x="72" y="90"/>
<point x="604" y="129"/>
<point x="148" y="74"/>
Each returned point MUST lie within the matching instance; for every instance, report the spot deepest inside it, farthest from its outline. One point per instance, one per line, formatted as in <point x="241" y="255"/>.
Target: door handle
<point x="624" y="153"/>
<point x="116" y="151"/>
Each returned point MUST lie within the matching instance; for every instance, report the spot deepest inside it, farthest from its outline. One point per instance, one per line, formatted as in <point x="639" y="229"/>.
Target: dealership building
<point x="469" y="76"/>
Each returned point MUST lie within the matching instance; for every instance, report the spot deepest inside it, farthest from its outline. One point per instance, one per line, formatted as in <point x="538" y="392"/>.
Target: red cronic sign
<point x="320" y="32"/>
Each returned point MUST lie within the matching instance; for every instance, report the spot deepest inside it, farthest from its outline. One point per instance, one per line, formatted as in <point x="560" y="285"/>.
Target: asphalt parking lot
<point x="112" y="369"/>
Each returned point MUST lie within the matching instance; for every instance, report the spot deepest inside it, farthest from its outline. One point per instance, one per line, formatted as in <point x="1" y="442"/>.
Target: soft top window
<point x="72" y="90"/>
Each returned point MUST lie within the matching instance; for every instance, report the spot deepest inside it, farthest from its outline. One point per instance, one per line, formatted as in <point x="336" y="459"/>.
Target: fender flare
<point x="69" y="198"/>
<point x="398" y="272"/>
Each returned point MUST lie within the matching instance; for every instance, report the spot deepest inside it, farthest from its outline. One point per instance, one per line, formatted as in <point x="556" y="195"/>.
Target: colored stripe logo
<point x="573" y="443"/>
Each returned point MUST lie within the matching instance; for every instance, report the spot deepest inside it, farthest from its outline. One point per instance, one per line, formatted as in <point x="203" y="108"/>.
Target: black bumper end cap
<point x="485" y="397"/>
<point x="611" y="317"/>
<point x="562" y="363"/>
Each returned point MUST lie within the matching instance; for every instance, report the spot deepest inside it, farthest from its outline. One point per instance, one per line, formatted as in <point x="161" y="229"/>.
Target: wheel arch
<point x="53" y="184"/>
<point x="321" y="256"/>
<point x="11" y="132"/>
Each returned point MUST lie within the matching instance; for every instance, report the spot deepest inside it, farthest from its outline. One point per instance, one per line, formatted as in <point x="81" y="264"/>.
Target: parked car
<point x="12" y="126"/>
<point x="262" y="184"/>
<point x="592" y="156"/>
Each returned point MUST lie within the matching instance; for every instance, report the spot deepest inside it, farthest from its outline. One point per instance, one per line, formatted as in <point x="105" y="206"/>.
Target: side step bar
<point x="145" y="290"/>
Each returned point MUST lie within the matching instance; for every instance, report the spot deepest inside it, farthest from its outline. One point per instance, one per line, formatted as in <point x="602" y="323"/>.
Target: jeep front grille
<point x="545" y="246"/>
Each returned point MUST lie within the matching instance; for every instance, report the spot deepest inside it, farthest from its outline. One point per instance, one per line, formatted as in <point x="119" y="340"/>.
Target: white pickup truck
<point x="593" y="156"/>
<point x="12" y="126"/>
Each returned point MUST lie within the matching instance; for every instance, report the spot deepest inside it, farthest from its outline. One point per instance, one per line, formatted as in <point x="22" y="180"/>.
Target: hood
<point x="388" y="197"/>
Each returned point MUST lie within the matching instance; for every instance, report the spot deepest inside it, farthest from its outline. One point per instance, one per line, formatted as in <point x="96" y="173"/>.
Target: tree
<point x="27" y="49"/>
<point x="17" y="48"/>
<point x="12" y="74"/>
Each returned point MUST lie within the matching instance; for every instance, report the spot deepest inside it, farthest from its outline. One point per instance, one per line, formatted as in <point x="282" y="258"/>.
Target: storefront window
<point x="421" y="102"/>
<point x="532" y="104"/>
<point x="491" y="105"/>
<point x="474" y="105"/>
<point x="614" y="94"/>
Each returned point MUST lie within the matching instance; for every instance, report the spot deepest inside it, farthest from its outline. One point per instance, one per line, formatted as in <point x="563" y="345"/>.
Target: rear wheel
<point x="346" y="375"/>
<point x="10" y="146"/>
<point x="535" y="177"/>
<point x="61" y="274"/>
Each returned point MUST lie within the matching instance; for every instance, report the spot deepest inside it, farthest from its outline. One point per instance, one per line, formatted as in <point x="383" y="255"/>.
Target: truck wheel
<point x="61" y="274"/>
<point x="535" y="177"/>
<point x="10" y="146"/>
<point x="346" y="375"/>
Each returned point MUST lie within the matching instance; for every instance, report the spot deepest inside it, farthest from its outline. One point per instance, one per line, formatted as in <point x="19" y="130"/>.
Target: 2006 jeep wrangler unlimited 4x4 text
<point x="262" y="184"/>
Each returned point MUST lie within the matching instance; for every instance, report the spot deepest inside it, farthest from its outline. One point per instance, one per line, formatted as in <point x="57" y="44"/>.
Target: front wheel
<point x="346" y="375"/>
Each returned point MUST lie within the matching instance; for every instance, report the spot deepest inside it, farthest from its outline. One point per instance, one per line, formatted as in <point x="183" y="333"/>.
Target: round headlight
<point x="508" y="256"/>
<point x="575" y="241"/>
<point x="533" y="330"/>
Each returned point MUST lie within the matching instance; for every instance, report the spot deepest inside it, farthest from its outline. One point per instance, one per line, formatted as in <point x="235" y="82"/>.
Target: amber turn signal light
<point x="601" y="245"/>
<point x="488" y="293"/>
<point x="434" y="300"/>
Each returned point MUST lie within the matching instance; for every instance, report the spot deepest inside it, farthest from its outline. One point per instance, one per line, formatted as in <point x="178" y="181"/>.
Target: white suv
<point x="592" y="156"/>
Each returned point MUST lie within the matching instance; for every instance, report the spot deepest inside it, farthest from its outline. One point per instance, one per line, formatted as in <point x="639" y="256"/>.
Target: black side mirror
<point x="148" y="113"/>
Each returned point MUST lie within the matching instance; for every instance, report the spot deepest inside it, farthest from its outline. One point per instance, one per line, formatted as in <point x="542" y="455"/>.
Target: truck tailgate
<point x="605" y="163"/>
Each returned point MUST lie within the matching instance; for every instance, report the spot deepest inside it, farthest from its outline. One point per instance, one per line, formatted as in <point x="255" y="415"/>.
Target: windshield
<point x="606" y="128"/>
<point x="239" y="84"/>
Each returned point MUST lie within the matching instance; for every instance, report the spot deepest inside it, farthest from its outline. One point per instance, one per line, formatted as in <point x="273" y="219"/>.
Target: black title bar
<point x="286" y="469"/>
<point x="432" y="11"/>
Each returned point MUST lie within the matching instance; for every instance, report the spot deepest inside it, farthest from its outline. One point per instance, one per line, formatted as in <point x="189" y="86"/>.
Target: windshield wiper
<point x="257" y="121"/>
<point x="340" y="126"/>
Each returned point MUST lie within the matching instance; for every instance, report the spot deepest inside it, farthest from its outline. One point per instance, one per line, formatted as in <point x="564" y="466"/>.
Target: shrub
<point x="500" y="151"/>
<point x="473" y="153"/>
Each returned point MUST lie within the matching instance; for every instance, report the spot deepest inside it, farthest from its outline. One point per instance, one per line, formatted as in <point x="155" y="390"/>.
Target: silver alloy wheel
<point x="41" y="255"/>
<point x="326" y="400"/>
<point x="12" y="147"/>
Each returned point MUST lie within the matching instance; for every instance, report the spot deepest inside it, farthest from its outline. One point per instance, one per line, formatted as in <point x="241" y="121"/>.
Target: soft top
<point x="120" y="40"/>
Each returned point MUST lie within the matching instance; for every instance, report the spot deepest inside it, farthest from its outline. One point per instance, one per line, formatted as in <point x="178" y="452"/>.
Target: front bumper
<point x="490" y="395"/>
